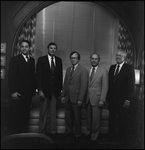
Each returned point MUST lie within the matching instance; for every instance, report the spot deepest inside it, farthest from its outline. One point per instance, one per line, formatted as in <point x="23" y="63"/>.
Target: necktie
<point x="52" y="65"/>
<point x="92" y="74"/>
<point x="28" y="60"/>
<point x="116" y="73"/>
<point x="72" y="70"/>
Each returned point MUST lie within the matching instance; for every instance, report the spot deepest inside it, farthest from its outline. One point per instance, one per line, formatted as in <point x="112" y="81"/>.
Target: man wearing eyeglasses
<point x="74" y="90"/>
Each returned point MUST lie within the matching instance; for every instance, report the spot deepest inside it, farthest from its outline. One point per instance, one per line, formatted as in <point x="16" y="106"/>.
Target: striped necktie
<point x="92" y="74"/>
<point x="116" y="73"/>
<point x="72" y="70"/>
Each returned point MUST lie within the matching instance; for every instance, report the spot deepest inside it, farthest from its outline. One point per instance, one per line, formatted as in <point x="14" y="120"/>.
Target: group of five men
<point x="80" y="88"/>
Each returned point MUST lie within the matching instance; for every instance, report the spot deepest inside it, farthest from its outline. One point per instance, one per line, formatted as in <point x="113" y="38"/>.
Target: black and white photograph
<point x="72" y="74"/>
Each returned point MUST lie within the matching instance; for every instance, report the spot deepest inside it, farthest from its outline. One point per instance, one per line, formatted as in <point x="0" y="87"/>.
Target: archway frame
<point x="42" y="4"/>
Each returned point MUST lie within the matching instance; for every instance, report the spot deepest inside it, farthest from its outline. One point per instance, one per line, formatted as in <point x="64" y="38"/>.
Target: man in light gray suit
<point x="73" y="95"/>
<point x="96" y="95"/>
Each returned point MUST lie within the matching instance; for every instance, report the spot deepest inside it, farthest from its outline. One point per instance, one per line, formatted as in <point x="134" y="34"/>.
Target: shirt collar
<point x="51" y="56"/>
<point x="120" y="65"/>
<point x="25" y="56"/>
<point x="94" y="67"/>
<point x="75" y="66"/>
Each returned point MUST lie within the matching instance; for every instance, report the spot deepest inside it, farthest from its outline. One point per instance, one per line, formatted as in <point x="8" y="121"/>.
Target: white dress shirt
<point x="25" y="57"/>
<point x="75" y="66"/>
<point x="120" y="66"/>
<point x="49" y="58"/>
<point x="92" y="70"/>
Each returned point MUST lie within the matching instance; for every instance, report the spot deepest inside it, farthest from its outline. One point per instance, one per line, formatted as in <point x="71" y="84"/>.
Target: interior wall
<point x="77" y="26"/>
<point x="14" y="13"/>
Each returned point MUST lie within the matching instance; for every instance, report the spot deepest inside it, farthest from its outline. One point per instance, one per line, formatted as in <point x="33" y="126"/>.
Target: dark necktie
<point x="72" y="70"/>
<point x="116" y="73"/>
<point x="52" y="65"/>
<point x="92" y="74"/>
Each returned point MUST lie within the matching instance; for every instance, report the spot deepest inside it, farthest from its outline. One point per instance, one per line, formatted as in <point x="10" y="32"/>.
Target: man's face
<point x="74" y="59"/>
<point x="120" y="57"/>
<point x="24" y="48"/>
<point x="52" y="50"/>
<point x="94" y="60"/>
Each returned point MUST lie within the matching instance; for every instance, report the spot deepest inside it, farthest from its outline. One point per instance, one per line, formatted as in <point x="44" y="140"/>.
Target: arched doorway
<point x="90" y="28"/>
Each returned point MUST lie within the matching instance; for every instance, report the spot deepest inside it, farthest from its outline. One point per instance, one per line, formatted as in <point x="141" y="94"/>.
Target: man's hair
<point x="26" y="42"/>
<point x="96" y="54"/>
<point x="75" y="52"/>
<point x="123" y="51"/>
<point x="51" y="43"/>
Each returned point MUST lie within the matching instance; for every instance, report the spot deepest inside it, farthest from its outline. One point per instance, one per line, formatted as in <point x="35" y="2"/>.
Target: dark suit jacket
<point x="21" y="76"/>
<point x="123" y="88"/>
<point x="46" y="81"/>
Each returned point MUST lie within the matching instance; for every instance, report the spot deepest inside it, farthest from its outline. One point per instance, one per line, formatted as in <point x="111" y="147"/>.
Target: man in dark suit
<point x="120" y="94"/>
<point x="21" y="78"/>
<point x="49" y="76"/>
<point x="74" y="91"/>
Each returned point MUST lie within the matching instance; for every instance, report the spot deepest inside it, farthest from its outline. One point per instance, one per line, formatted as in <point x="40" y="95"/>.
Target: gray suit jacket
<point x="98" y="87"/>
<point x="75" y="87"/>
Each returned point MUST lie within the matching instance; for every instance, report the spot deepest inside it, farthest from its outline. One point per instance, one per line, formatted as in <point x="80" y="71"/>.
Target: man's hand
<point x="41" y="95"/>
<point x="79" y="103"/>
<point x="101" y="103"/>
<point x="63" y="99"/>
<point x="15" y="95"/>
<point x="126" y="104"/>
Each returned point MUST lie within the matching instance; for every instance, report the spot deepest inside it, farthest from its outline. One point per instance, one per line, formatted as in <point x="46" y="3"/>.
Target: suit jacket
<point x="21" y="76"/>
<point x="98" y="87"/>
<point x="46" y="81"/>
<point x="75" y="87"/>
<point x="123" y="87"/>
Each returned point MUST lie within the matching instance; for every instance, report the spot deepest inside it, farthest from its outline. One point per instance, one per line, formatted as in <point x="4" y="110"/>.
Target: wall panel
<point x="77" y="26"/>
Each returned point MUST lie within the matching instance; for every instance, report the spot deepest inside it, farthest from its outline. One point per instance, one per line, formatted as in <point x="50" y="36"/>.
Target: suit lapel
<point x="121" y="70"/>
<point x="69" y="71"/>
<point x="24" y="63"/>
<point x="46" y="63"/>
<point x="56" y="64"/>
<point x="75" y="71"/>
<point x="95" y="75"/>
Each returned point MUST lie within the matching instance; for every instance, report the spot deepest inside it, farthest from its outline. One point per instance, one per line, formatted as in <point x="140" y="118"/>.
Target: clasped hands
<point x="101" y="103"/>
<point x="41" y="95"/>
<point x="79" y="102"/>
<point x="126" y="104"/>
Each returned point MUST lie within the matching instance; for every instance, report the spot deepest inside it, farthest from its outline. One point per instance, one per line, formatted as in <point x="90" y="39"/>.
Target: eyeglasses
<point x="73" y="57"/>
